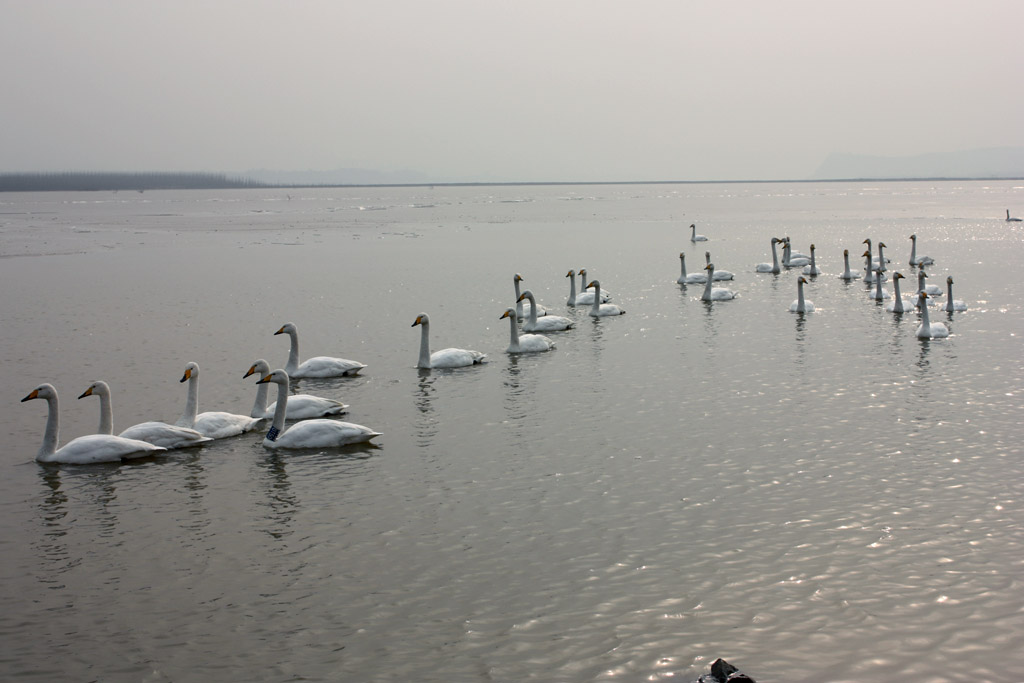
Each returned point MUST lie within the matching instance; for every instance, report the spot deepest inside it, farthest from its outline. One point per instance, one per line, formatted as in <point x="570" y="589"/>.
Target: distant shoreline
<point x="140" y="182"/>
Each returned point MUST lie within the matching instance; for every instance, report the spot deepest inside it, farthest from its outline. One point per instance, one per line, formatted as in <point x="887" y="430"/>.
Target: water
<point x="819" y="497"/>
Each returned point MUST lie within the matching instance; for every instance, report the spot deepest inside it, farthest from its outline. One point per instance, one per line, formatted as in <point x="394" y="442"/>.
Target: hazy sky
<point x="466" y="90"/>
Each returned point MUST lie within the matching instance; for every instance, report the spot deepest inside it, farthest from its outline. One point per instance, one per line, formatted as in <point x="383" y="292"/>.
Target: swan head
<point x="517" y="278"/>
<point x="277" y="377"/>
<point x="812" y="248"/>
<point x="949" y="279"/>
<point x="775" y="240"/>
<point x="802" y="280"/>
<point x="527" y="294"/>
<point x="509" y="313"/>
<point x="593" y="283"/>
<point x="682" y="255"/>
<point x="866" y="253"/>
<point x="571" y="273"/>
<point x="913" y="237"/>
<point x="923" y="295"/>
<point x="422" y="319"/>
<point x="261" y="366"/>
<point x="867" y="241"/>
<point x="897" y="276"/>
<point x="96" y="389"/>
<point x="45" y="391"/>
<point x="881" y="244"/>
<point x="710" y="266"/>
<point x="287" y="328"/>
<point x="191" y="372"/>
<point x="694" y="225"/>
<point x="583" y="273"/>
<point x="846" y="252"/>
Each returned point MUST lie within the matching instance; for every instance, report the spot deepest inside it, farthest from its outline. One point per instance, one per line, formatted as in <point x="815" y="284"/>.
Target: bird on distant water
<point x="694" y="237"/>
<point x="1012" y="220"/>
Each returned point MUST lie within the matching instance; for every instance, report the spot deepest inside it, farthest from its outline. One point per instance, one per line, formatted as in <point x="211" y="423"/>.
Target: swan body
<point x="951" y="304"/>
<point x="847" y="273"/>
<point x="524" y="343"/>
<point x="772" y="267"/>
<point x="717" y="293"/>
<point x="879" y="294"/>
<point x="719" y="275"/>
<point x="316" y="433"/>
<point x="898" y="303"/>
<point x="812" y="268"/>
<point x="156" y="433"/>
<point x="927" y="329"/>
<point x="599" y="310"/>
<point x="801" y="305"/>
<point x="916" y="260"/>
<point x="932" y="290"/>
<point x="214" y="424"/>
<point x="1011" y="220"/>
<point x="521" y="309"/>
<point x="300" y="406"/>
<point x="688" y="278"/>
<point x="85" y="450"/>
<point x="445" y="358"/>
<point x="586" y="297"/>
<point x="549" y="323"/>
<point x="319" y="366"/>
<point x="694" y="237"/>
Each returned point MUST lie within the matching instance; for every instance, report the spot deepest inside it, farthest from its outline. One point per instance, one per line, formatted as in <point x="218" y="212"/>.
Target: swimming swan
<point x="584" y="298"/>
<point x="84" y="450"/>
<point x="898" y="303"/>
<point x="791" y="259"/>
<point x="525" y="343"/>
<point x="549" y="323"/>
<point x="521" y="309"/>
<point x="718" y="293"/>
<point x="932" y="290"/>
<point x="606" y="296"/>
<point x="300" y="406"/>
<point x="871" y="272"/>
<point x="599" y="310"/>
<point x="847" y="273"/>
<point x="952" y="305"/>
<point x="445" y="358"/>
<point x="801" y="305"/>
<point x="812" y="268"/>
<point x="319" y="366"/>
<point x="928" y="329"/>
<point x="157" y="433"/>
<point x="1011" y="220"/>
<point x="694" y="237"/>
<point x="875" y="262"/>
<point x="318" y="433"/>
<point x="688" y="278"/>
<point x="719" y="275"/>
<point x="916" y="260"/>
<point x="214" y="424"/>
<point x="772" y="267"/>
<point x="878" y="294"/>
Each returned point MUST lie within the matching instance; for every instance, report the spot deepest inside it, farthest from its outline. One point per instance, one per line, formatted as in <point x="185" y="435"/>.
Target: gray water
<point x="813" y="498"/>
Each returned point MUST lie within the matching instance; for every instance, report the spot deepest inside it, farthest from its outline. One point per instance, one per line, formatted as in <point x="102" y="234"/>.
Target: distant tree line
<point x="75" y="181"/>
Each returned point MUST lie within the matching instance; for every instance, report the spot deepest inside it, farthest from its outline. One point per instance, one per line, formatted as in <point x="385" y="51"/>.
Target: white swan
<point x="688" y="278"/>
<point x="881" y="260"/>
<point x="932" y="290"/>
<point x="898" y="303"/>
<point x="951" y="304"/>
<point x="791" y="259"/>
<point x="156" y="433"/>
<point x="521" y="309"/>
<point x="445" y="358"/>
<point x="772" y="267"/>
<point x="599" y="310"/>
<point x="847" y="273"/>
<point x="214" y="424"/>
<point x="718" y="293"/>
<point x="927" y="329"/>
<point x="525" y="343"/>
<point x="584" y="298"/>
<point x="694" y="237"/>
<point x="812" y="268"/>
<point x="801" y="305"/>
<point x="719" y="275"/>
<point x="300" y="406"/>
<point x="878" y="294"/>
<point x="319" y="366"/>
<point x="1011" y="220"/>
<point x="870" y="269"/>
<point x="874" y="261"/>
<point x="549" y="323"/>
<point x="916" y="260"/>
<point x="85" y="450"/>
<point x="318" y="433"/>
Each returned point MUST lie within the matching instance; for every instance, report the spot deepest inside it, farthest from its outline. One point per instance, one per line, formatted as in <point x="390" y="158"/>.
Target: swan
<point x="870" y="269"/>
<point x="719" y="275"/>
<point x="525" y="343"/>
<point x="689" y="278"/>
<point x="718" y="293"/>
<point x="586" y="297"/>
<point x="694" y="237"/>
<point x="811" y="268"/>
<point x="1011" y="220"/>
<point x="875" y="262"/>
<point x="320" y="366"/>
<point x="898" y="303"/>
<point x="300" y="406"/>
<point x="445" y="358"/>
<point x="156" y="433"/>
<point x="772" y="267"/>
<point x="84" y="450"/>
<point x="549" y="323"/>
<point x="881" y="260"/>
<point x="521" y="309"/>
<point x="879" y="294"/>
<point x="932" y="290"/>
<point x="606" y="296"/>
<point x="801" y="305"/>
<point x="916" y="260"/>
<point x="847" y="273"/>
<point x="214" y="424"/>
<point x="951" y="304"/>
<point x="599" y="310"/>
<point x="790" y="259"/>
<point x="928" y="329"/>
<point x="318" y="433"/>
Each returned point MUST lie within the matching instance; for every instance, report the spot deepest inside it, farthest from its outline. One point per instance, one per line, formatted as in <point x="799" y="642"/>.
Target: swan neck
<point x="682" y="265"/>
<point x="533" y="309"/>
<point x="846" y="264"/>
<point x="424" y="361"/>
<point x="572" y="290"/>
<point x="106" y="415"/>
<point x="707" y="286"/>
<point x="519" y="304"/>
<point x="293" y="353"/>
<point x="259" y="406"/>
<point x="52" y="433"/>
<point x="800" y="306"/>
<point x="596" y="306"/>
<point x="775" y="259"/>
<point x="925" y="318"/>
<point x="280" y="410"/>
<point x="188" y="418"/>
<point x="513" y="339"/>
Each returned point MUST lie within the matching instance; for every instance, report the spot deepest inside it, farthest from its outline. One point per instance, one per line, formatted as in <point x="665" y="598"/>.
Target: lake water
<point x="813" y="498"/>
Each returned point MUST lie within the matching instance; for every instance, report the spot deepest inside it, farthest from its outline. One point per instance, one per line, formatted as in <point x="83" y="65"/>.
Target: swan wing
<point x="456" y="358"/>
<point x="322" y="434"/>
<point x="550" y="323"/>
<point x="165" y="435"/>
<point x="534" y="343"/>
<point x="326" y="366"/>
<point x="96" y="448"/>
<point x="306" y="406"/>
<point x="220" y="425"/>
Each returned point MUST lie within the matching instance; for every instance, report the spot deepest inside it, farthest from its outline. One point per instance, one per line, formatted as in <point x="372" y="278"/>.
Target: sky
<point x="487" y="91"/>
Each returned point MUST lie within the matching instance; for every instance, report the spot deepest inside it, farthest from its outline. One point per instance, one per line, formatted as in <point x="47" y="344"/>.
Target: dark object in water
<point x="724" y="672"/>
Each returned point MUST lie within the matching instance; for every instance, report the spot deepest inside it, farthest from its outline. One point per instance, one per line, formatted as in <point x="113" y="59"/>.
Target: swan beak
<point x="881" y="244"/>
<point x="591" y="284"/>
<point x="280" y="331"/>
<point x="251" y="371"/>
<point x="503" y="315"/>
<point x="521" y="297"/>
<point x="34" y="394"/>
<point x="87" y="392"/>
<point x="865" y="242"/>
<point x="570" y="274"/>
<point x="187" y="376"/>
<point x="416" y="322"/>
<point x="264" y="380"/>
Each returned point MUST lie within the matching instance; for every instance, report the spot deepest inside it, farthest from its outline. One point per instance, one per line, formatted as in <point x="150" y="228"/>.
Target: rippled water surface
<point x="814" y="498"/>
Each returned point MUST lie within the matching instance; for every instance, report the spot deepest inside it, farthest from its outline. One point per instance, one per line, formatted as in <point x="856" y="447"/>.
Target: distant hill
<point x="1000" y="162"/>
<point x="338" y="176"/>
